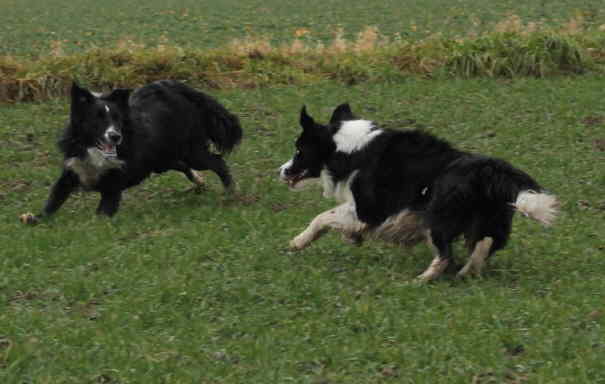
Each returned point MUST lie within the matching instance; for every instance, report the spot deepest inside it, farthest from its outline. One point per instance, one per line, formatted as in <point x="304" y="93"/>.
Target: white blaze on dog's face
<point x="112" y="136"/>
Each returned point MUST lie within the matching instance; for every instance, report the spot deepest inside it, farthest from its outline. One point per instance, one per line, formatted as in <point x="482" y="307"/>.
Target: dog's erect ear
<point x="80" y="95"/>
<point x="80" y="99"/>
<point x="342" y="113"/>
<point x="306" y="121"/>
<point x="120" y="96"/>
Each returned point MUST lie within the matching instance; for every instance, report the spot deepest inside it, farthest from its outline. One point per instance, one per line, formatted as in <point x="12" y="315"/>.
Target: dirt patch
<point x="593" y="120"/>
<point x="599" y="145"/>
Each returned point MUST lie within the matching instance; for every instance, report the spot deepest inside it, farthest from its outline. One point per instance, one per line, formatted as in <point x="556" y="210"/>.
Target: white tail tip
<point x="538" y="206"/>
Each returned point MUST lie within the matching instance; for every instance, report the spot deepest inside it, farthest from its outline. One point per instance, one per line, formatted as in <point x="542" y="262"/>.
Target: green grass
<point x="32" y="27"/>
<point x="198" y="288"/>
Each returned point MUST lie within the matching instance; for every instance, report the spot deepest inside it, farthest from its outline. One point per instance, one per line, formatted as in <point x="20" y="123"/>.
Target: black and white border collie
<point x="408" y="186"/>
<point x="114" y="141"/>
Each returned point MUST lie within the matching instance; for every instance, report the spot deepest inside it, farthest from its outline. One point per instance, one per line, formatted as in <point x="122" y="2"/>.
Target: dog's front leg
<point x="59" y="192"/>
<point x="442" y="255"/>
<point x="342" y="218"/>
<point x="110" y="202"/>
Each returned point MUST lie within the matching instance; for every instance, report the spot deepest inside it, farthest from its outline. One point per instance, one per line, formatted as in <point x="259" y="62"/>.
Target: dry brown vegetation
<point x="514" y="48"/>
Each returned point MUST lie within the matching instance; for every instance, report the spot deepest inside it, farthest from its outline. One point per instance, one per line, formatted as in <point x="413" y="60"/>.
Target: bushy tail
<point x="222" y="126"/>
<point x="507" y="183"/>
<point x="539" y="206"/>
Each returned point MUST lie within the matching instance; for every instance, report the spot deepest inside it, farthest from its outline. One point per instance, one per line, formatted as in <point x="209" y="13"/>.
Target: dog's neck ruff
<point x="341" y="190"/>
<point x="353" y="135"/>
<point x="92" y="167"/>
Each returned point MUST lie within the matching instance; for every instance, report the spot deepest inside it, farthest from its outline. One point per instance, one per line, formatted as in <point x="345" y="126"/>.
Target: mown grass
<point x="182" y="287"/>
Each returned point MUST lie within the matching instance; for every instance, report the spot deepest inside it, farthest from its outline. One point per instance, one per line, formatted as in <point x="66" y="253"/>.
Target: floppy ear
<point x="306" y="121"/>
<point x="341" y="113"/>
<point x="120" y="96"/>
<point x="80" y="98"/>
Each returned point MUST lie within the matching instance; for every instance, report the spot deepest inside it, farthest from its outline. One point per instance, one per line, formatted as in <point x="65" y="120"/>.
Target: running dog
<point x="116" y="140"/>
<point x="406" y="186"/>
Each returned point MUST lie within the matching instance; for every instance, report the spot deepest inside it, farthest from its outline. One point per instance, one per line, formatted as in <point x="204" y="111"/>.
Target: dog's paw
<point x="198" y="179"/>
<point x="412" y="283"/>
<point x="298" y="243"/>
<point x="420" y="279"/>
<point x="29" y="218"/>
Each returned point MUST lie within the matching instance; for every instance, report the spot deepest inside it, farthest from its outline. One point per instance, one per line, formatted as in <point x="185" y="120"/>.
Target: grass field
<point x="182" y="287"/>
<point x="35" y="27"/>
<point x="186" y="287"/>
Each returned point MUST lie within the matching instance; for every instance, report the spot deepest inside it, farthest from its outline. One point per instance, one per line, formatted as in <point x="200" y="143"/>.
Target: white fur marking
<point x="437" y="266"/>
<point x="198" y="179"/>
<point x="538" y="206"/>
<point x="354" y="135"/>
<point x="477" y="259"/>
<point x="283" y="168"/>
<point x="92" y="167"/>
<point x="109" y="131"/>
<point x="340" y="191"/>
<point x="342" y="218"/>
<point x="434" y="270"/>
<point x="327" y="183"/>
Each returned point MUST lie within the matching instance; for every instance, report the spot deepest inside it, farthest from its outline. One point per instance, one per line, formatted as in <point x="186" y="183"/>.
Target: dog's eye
<point x="297" y="152"/>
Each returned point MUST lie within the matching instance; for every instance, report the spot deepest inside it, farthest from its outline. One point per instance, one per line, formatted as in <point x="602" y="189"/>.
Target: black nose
<point x="114" y="137"/>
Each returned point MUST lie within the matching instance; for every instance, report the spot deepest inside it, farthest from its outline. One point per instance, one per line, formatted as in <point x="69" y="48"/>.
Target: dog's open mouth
<point x="107" y="149"/>
<point x="292" y="180"/>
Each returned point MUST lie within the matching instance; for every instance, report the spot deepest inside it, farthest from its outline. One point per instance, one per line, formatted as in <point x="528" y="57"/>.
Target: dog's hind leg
<point x="193" y="176"/>
<point x="477" y="258"/>
<point x="342" y="218"/>
<point x="442" y="251"/>
<point x="485" y="236"/>
<point x="201" y="161"/>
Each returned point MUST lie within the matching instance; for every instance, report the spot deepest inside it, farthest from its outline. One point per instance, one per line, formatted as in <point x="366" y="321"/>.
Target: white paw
<point x="299" y="242"/>
<point x="28" y="218"/>
<point x="422" y="279"/>
<point x="198" y="179"/>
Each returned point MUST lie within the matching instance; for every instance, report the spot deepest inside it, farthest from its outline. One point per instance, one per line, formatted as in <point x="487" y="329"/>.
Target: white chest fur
<point x="340" y="191"/>
<point x="92" y="167"/>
